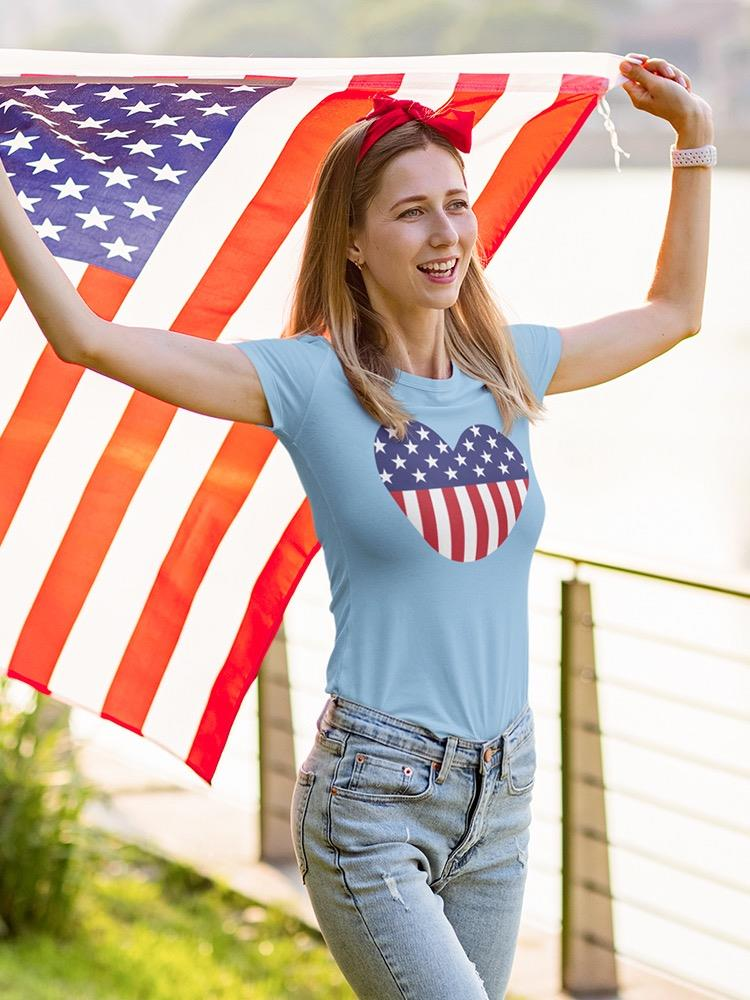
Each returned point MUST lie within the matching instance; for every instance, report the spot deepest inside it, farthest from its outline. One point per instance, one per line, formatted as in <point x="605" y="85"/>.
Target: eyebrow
<point x="423" y="197"/>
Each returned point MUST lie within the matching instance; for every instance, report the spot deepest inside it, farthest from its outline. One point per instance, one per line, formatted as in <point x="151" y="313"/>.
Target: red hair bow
<point x="389" y="113"/>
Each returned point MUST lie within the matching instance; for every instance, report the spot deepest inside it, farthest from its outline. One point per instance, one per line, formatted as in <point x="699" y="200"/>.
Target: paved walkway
<point x="218" y="839"/>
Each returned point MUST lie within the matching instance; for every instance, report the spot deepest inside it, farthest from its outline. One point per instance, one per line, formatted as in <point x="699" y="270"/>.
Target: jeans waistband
<point x="342" y="713"/>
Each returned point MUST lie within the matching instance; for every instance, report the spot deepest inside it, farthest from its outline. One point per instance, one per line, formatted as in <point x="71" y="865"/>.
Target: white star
<point x="117" y="134"/>
<point x="70" y="139"/>
<point x="191" y="95"/>
<point x="524" y="466"/>
<point x="485" y="456"/>
<point x="19" y="141"/>
<point x="432" y="461"/>
<point x="114" y="93"/>
<point x="411" y="447"/>
<point x="91" y="123"/>
<point x="70" y="189"/>
<point x="451" y="473"/>
<point x="165" y="85"/>
<point x="142" y="207"/>
<point x="135" y="109"/>
<point x="189" y="138"/>
<point x="12" y="102"/>
<point x="48" y="229"/>
<point x="165" y="120"/>
<point x="423" y="433"/>
<point x="509" y="453"/>
<point x="461" y="459"/>
<point x="94" y="156"/>
<point x="217" y="109"/>
<point x="469" y="445"/>
<point x="244" y="86"/>
<point x="63" y="108"/>
<point x="386" y="477"/>
<point x="44" y="163"/>
<point x="503" y="468"/>
<point x="26" y="202"/>
<point x="419" y="476"/>
<point x="478" y="470"/>
<point x="94" y="218"/>
<point x="141" y="147"/>
<point x="34" y="92"/>
<point x="392" y="432"/>
<point x="442" y="446"/>
<point x="166" y="173"/>
<point x="119" y="249"/>
<point x="492" y="442"/>
<point x="379" y="445"/>
<point x="399" y="462"/>
<point x="41" y="118"/>
<point x="118" y="176"/>
<point x="474" y="430"/>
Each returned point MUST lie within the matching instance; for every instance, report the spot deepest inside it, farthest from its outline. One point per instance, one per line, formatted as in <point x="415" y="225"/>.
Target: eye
<point x="406" y="213"/>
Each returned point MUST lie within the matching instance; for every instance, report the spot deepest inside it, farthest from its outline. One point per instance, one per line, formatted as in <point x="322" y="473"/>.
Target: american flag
<point x="147" y="553"/>
<point x="463" y="501"/>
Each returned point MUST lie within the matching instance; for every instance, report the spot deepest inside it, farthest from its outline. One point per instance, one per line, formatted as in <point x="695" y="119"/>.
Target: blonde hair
<point x="330" y="298"/>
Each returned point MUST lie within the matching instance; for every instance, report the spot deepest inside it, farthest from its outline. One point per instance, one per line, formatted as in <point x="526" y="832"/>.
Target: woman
<point x="404" y="400"/>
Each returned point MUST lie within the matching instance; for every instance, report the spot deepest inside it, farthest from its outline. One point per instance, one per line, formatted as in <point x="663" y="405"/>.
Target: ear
<point x="353" y="252"/>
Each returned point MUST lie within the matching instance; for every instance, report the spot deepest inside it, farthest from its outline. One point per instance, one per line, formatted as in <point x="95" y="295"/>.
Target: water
<point x="651" y="470"/>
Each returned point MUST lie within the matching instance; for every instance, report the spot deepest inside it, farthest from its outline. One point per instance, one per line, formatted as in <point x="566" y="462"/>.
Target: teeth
<point x="438" y="267"/>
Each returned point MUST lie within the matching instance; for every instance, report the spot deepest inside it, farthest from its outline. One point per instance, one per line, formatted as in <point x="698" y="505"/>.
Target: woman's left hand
<point x="662" y="89"/>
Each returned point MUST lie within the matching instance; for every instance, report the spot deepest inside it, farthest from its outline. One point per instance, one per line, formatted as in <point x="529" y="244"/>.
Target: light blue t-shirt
<point x="428" y="543"/>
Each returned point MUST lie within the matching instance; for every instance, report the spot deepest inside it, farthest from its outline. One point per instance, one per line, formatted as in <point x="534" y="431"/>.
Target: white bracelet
<point x="701" y="156"/>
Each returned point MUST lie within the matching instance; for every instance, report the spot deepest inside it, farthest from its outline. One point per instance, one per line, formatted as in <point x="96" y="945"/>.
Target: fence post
<point x="276" y="763"/>
<point x="588" y="964"/>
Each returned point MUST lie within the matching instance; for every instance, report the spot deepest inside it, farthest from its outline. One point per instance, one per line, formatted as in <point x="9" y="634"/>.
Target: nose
<point x="445" y="233"/>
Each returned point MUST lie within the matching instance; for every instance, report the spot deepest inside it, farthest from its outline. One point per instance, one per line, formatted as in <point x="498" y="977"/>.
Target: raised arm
<point x="200" y="375"/>
<point x="602" y="349"/>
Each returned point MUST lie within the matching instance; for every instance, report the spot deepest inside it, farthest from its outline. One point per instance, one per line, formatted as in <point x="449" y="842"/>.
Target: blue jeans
<point x="413" y="849"/>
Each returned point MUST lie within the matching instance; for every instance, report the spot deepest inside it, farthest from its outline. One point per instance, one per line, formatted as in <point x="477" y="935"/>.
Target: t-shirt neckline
<point x="423" y="382"/>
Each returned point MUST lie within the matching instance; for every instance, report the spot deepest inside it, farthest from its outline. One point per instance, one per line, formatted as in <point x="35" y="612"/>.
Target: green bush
<point x="41" y="797"/>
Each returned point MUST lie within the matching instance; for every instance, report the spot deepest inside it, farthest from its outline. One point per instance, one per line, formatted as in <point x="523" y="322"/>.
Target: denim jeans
<point x="413" y="849"/>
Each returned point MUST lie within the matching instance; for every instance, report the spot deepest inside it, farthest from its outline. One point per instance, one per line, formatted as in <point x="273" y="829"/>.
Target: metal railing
<point x="589" y="950"/>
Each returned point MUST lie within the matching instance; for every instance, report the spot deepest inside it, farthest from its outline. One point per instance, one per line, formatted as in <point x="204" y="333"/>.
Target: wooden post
<point x="277" y="771"/>
<point x="587" y="948"/>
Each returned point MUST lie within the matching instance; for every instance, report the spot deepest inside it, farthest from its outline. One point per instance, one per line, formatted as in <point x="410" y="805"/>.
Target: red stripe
<point x="515" y="495"/>
<point x="483" y="527"/>
<point x="427" y="516"/>
<point x="46" y="396"/>
<point x="152" y="643"/>
<point x="502" y="516"/>
<point x="270" y="595"/>
<point x="7" y="287"/>
<point x="530" y="157"/>
<point x="456" y="522"/>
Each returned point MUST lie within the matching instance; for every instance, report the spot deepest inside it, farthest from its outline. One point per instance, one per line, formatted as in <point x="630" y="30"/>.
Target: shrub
<point x="41" y="797"/>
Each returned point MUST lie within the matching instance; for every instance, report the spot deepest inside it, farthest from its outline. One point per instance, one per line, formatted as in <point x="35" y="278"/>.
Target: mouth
<point x="439" y="277"/>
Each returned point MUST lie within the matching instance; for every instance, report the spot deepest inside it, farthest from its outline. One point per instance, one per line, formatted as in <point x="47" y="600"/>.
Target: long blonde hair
<point x="330" y="298"/>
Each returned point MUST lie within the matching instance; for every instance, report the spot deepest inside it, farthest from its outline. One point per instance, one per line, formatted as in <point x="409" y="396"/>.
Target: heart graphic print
<point x="463" y="501"/>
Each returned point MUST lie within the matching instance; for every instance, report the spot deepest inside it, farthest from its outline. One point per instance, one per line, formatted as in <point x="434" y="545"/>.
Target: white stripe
<point x="442" y="520"/>
<point x="412" y="509"/>
<point x="493" y="521"/>
<point x="469" y="523"/>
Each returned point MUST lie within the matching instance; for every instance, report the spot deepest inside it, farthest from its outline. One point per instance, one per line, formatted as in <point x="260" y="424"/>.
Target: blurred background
<point x="645" y="474"/>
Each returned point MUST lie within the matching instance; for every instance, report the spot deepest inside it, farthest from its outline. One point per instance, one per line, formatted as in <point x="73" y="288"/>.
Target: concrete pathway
<point x="219" y="840"/>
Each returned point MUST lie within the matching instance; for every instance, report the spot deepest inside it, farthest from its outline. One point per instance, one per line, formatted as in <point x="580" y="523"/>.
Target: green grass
<point x="149" y="929"/>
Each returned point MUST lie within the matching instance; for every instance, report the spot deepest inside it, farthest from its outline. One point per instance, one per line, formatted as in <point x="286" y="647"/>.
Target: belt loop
<point x="445" y="766"/>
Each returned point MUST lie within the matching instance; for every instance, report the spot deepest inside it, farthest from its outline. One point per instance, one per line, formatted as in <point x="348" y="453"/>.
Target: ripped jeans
<point x="413" y="849"/>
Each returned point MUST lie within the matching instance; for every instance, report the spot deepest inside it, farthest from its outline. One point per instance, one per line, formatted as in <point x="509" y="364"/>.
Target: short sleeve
<point x="539" y="348"/>
<point x="288" y="368"/>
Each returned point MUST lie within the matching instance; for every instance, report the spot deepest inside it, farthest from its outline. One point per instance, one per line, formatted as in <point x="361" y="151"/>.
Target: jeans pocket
<point x="522" y="766"/>
<point x="375" y="772"/>
<point x="300" y="801"/>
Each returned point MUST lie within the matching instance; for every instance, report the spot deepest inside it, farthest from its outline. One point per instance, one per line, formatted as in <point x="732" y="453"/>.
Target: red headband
<point x="389" y="113"/>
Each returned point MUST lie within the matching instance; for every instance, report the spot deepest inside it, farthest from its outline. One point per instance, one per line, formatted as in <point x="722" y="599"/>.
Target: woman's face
<point x="402" y="231"/>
